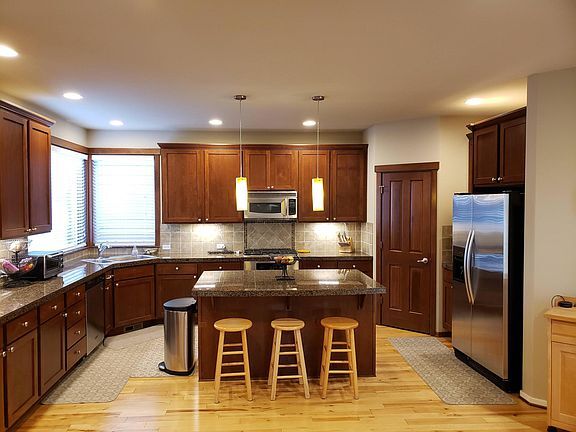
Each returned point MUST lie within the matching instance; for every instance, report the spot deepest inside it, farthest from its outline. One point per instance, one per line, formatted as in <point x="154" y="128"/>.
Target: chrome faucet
<point x="102" y="248"/>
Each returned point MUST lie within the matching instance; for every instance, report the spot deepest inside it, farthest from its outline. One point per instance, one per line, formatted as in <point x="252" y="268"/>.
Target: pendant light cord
<point x="317" y="135"/>
<point x="241" y="167"/>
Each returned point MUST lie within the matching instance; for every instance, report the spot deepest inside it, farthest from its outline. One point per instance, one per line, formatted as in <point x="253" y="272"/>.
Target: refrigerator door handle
<point x="468" y="266"/>
<point x="466" y="276"/>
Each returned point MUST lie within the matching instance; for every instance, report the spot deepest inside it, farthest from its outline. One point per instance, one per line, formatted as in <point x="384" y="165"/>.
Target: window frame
<point x="125" y="152"/>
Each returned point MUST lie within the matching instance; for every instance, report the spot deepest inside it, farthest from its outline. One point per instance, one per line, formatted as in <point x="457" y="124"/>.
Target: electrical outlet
<point x="166" y="247"/>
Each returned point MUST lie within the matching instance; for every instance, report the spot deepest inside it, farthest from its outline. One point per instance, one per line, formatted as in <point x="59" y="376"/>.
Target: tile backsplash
<point x="446" y="244"/>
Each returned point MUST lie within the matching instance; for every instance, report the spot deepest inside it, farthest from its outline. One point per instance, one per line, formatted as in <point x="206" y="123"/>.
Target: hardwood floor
<point x="396" y="400"/>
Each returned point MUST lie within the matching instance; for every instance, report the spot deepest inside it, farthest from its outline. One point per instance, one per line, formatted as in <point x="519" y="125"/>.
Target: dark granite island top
<point x="263" y="283"/>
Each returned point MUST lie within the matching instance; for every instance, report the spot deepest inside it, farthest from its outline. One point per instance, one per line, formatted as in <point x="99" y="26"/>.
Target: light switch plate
<point x="220" y="246"/>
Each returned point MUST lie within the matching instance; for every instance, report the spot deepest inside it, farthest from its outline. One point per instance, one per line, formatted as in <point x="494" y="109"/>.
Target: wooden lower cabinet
<point x="21" y="374"/>
<point x="364" y="265"/>
<point x="52" y="347"/>
<point x="134" y="301"/>
<point x="562" y="369"/>
<point x="75" y="353"/>
<point x="447" y="299"/>
<point x="108" y="304"/>
<point x="173" y="281"/>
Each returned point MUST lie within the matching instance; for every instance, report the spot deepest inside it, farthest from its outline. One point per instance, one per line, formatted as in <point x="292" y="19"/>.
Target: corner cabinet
<point x="199" y="180"/>
<point x="498" y="151"/>
<point x="134" y="295"/>
<point x="24" y="172"/>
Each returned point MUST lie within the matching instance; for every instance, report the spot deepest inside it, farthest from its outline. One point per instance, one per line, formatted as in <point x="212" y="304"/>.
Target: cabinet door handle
<point x="35" y="229"/>
<point x="500" y="179"/>
<point x="55" y="307"/>
<point x="11" y="349"/>
<point x="109" y="277"/>
<point x="78" y="294"/>
<point x="493" y="179"/>
<point x="25" y="324"/>
<point x="28" y="230"/>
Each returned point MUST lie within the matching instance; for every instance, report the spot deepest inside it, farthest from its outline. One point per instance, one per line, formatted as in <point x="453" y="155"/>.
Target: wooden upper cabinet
<point x="39" y="148"/>
<point x="283" y="168"/>
<point x="485" y="147"/>
<point x="512" y="151"/>
<point x="182" y="186"/>
<point x="307" y="171"/>
<point x="348" y="185"/>
<point x="13" y="175"/>
<point x="271" y="169"/>
<point x="221" y="167"/>
<point x="256" y="164"/>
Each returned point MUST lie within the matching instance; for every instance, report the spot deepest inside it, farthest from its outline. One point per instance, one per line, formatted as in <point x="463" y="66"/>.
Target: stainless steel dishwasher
<point x="95" y="323"/>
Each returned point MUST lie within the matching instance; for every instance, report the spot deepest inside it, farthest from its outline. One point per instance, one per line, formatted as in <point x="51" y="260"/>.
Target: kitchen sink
<point x="118" y="259"/>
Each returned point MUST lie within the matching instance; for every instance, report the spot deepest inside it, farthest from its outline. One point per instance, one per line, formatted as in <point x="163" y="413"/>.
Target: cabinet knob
<point x="78" y="332"/>
<point x="109" y="277"/>
<point x="500" y="179"/>
<point x="353" y="265"/>
<point x="55" y="307"/>
<point x="219" y="267"/>
<point x="28" y="230"/>
<point x="35" y="229"/>
<point x="327" y="218"/>
<point x="11" y="349"/>
<point x="318" y="266"/>
<point x="333" y="218"/>
<point x="177" y="268"/>
<point x="3" y="353"/>
<point x="117" y="284"/>
<point x="25" y="324"/>
<point x="199" y="219"/>
<point x="78" y="294"/>
<point x="194" y="276"/>
<point x="78" y="312"/>
<point x="493" y="179"/>
<point x="107" y="288"/>
<point x="206" y="219"/>
<point x="64" y="315"/>
<point x="78" y="352"/>
<point x="272" y="187"/>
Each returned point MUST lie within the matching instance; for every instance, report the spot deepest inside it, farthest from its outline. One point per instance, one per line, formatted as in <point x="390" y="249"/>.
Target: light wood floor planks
<point x="396" y="400"/>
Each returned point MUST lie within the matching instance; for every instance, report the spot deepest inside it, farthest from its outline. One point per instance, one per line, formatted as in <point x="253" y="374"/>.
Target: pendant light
<point x="241" y="182"/>
<point x="317" y="182"/>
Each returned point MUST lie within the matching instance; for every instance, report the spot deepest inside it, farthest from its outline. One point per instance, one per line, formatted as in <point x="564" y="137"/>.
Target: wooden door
<point x="21" y="376"/>
<point x="485" y="163"/>
<point x="257" y="168"/>
<point x="348" y="185"/>
<point x="133" y="301"/>
<point x="13" y="175"/>
<point x="562" y="391"/>
<point x="306" y="172"/>
<point x="221" y="168"/>
<point x="108" y="304"/>
<point x="406" y="231"/>
<point x="512" y="151"/>
<point x="39" y="148"/>
<point x="170" y="287"/>
<point x="182" y="186"/>
<point x="283" y="169"/>
<point x="52" y="352"/>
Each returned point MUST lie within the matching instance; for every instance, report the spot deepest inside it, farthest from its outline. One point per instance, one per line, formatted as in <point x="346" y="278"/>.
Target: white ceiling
<point x="159" y="64"/>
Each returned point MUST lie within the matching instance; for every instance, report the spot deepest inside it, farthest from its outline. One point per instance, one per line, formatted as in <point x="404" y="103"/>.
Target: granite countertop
<point x="263" y="283"/>
<point x="334" y="256"/>
<point x="18" y="297"/>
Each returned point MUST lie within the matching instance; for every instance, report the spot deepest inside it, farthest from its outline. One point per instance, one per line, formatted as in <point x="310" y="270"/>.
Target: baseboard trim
<point x="540" y="403"/>
<point x="443" y="334"/>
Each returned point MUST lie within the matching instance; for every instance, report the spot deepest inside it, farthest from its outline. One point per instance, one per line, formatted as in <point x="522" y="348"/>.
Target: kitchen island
<point x="259" y="297"/>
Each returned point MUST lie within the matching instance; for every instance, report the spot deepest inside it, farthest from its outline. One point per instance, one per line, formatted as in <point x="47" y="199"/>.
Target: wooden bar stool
<point x="347" y="325"/>
<point x="297" y="350"/>
<point x="232" y="325"/>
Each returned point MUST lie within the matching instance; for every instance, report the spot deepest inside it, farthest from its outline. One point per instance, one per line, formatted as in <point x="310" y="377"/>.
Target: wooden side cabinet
<point x="562" y="369"/>
<point x="348" y="185"/>
<point x="447" y="299"/>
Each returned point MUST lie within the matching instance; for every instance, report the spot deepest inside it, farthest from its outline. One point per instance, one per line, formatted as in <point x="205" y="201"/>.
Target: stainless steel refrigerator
<point x="487" y="279"/>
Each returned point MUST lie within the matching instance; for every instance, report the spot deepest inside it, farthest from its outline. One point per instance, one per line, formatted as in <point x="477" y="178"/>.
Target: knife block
<point x="347" y="247"/>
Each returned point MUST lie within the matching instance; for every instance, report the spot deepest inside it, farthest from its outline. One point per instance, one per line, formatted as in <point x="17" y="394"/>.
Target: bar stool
<point x="279" y="326"/>
<point x="232" y="325"/>
<point x="347" y="325"/>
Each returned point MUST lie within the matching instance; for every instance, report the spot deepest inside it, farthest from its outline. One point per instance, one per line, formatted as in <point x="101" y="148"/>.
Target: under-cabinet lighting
<point x="116" y="123"/>
<point x="309" y="123"/>
<point x="215" y="122"/>
<point x="73" y="96"/>
<point x="6" y="51"/>
<point x="329" y="282"/>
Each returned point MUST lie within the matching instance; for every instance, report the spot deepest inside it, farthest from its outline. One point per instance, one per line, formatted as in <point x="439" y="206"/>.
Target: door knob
<point x="423" y="260"/>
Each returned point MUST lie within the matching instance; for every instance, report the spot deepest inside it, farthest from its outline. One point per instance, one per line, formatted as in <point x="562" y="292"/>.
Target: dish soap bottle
<point x="134" y="251"/>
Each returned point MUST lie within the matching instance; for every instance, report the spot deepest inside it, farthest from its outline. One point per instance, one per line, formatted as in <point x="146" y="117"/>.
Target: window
<point x="68" y="183"/>
<point x="123" y="200"/>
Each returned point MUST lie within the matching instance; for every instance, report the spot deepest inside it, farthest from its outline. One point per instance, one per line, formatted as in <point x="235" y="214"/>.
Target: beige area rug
<point x="102" y="376"/>
<point x="453" y="381"/>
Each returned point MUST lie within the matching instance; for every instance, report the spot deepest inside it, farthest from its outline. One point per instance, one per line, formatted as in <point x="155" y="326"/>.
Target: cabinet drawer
<point x="317" y="264"/>
<point x="175" y="269"/>
<point x="76" y="313"/>
<point x="560" y="328"/>
<point x="75" y="333"/>
<point x="75" y="354"/>
<point x="75" y="295"/>
<point x="365" y="266"/>
<point x="133" y="272"/>
<point x="20" y="326"/>
<point x="51" y="308"/>
<point x="225" y="265"/>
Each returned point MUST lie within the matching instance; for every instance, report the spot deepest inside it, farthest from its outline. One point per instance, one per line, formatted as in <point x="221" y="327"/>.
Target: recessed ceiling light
<point x="215" y="122"/>
<point x="475" y="101"/>
<point x="6" y="51"/>
<point x="116" y="123"/>
<point x="73" y="96"/>
<point x="309" y="123"/>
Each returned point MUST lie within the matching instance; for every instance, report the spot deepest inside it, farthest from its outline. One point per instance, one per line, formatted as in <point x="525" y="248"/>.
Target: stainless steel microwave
<point x="272" y="205"/>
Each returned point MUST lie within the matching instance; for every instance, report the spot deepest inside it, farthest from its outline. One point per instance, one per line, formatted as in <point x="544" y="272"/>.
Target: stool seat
<point x="287" y="324"/>
<point x="339" y="323"/>
<point x="232" y="324"/>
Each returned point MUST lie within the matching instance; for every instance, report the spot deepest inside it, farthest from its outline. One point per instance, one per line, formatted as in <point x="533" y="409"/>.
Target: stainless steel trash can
<point x="180" y="323"/>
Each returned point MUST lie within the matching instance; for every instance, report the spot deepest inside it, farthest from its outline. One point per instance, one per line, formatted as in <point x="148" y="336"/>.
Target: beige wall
<point x="149" y="139"/>
<point x="61" y="129"/>
<point x="433" y="139"/>
<point x="550" y="235"/>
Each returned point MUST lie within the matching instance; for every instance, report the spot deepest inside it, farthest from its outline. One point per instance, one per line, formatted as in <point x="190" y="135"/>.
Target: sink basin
<point x="119" y="259"/>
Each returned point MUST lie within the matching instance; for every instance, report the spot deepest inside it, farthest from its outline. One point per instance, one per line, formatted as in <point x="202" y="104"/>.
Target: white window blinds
<point x="68" y="183"/>
<point x="123" y="200"/>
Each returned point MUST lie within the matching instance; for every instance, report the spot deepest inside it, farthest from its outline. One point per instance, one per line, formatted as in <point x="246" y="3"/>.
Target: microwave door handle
<point x="284" y="208"/>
